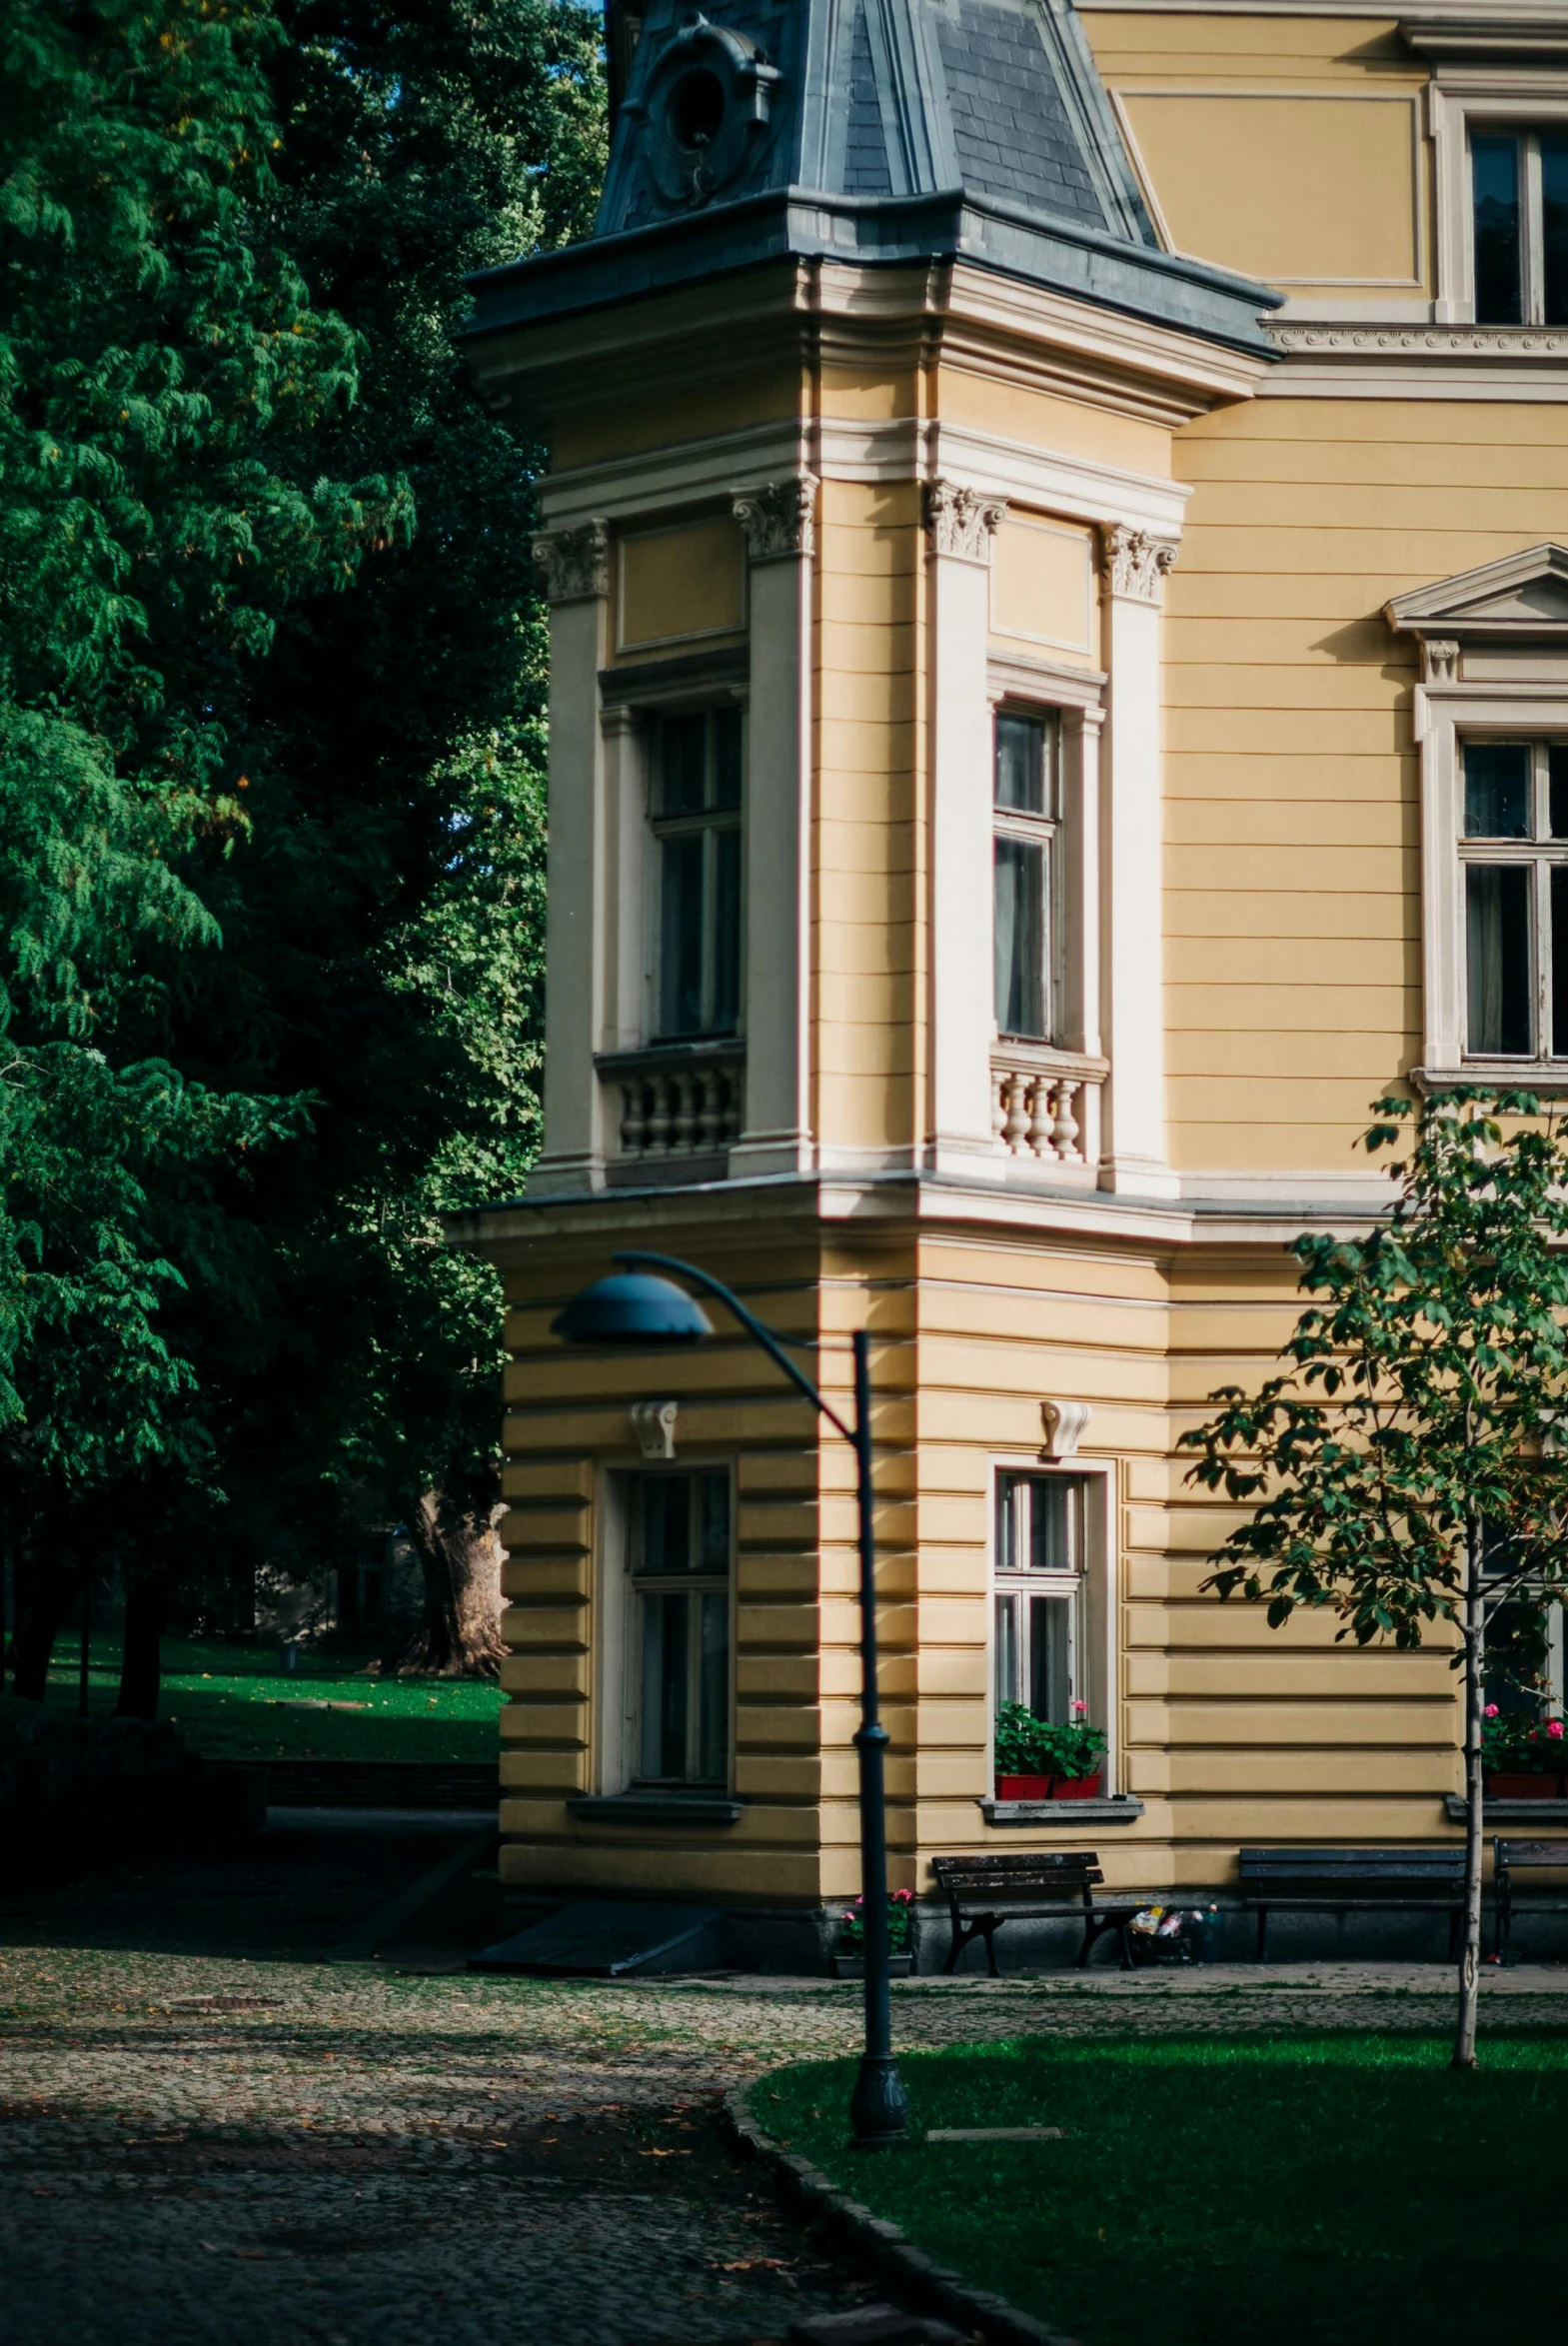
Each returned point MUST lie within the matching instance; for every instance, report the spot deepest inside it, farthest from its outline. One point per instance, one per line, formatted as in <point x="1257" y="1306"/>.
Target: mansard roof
<point x="869" y="131"/>
<point x="1523" y="593"/>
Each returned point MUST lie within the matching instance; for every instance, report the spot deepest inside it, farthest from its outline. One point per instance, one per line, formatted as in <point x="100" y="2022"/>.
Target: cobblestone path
<point x="195" y="2146"/>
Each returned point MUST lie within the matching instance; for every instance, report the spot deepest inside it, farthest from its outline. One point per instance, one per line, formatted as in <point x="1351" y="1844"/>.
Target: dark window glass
<point x="1497" y="789"/>
<point x="681" y="1530"/>
<point x="1020" y="764"/>
<point x="726" y="931"/>
<point x="1554" y="225"/>
<point x="666" y="1686"/>
<point x="1560" y="961"/>
<point x="714" y="1524"/>
<point x="666" y="1523"/>
<point x="1494" y="166"/>
<point x="1557" y="788"/>
<point x="1021" y="873"/>
<point x="683" y="757"/>
<point x="680" y="927"/>
<point x="727" y="759"/>
<point x="1497" y="921"/>
<point x="1050" y="1657"/>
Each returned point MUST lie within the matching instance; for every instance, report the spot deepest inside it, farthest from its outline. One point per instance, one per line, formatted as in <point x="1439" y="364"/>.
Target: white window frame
<point x="1446" y="717"/>
<point x="1049" y="830"/>
<point x="656" y="827"/>
<point x="1463" y="99"/>
<point x="617" y="1676"/>
<point x="1100" y="1595"/>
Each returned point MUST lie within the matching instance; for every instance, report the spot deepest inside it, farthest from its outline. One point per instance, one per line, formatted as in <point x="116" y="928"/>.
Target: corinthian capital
<point x="779" y="519"/>
<point x="573" y="563"/>
<point x="961" y="521"/>
<point x="1134" y="562"/>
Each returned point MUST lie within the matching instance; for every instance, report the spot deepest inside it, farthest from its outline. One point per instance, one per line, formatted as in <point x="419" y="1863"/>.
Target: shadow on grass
<point x="1214" y="2192"/>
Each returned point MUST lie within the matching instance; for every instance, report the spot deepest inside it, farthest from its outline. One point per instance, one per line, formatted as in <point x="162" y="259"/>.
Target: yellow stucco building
<point x="1059" y="672"/>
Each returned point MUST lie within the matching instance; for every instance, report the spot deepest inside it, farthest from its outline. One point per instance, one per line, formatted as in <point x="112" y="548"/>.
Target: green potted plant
<point x="1522" y="1758"/>
<point x="1037" y="1760"/>
<point x="849" y="1961"/>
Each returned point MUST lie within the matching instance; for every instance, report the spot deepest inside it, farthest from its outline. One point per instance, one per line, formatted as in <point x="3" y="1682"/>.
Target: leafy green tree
<point x="383" y="922"/>
<point x="1403" y="1464"/>
<point x="163" y="374"/>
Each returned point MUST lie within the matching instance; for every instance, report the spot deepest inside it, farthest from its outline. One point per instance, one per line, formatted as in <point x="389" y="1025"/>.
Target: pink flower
<point x="1491" y="1710"/>
<point x="1080" y="1709"/>
<point x="1554" y="1728"/>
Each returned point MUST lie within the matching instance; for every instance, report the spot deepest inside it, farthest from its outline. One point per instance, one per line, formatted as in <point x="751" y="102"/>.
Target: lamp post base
<point x="879" y="2106"/>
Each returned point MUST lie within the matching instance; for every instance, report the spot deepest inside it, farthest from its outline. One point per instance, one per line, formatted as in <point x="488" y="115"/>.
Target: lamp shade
<point x="632" y="1308"/>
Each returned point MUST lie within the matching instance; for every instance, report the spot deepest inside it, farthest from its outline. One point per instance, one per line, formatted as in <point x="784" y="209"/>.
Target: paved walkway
<point x="198" y="2144"/>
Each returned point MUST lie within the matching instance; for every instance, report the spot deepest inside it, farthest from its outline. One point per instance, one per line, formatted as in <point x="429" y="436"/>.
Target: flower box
<point x="1075" y="1788"/>
<point x="1048" y="1787"/>
<point x="853" y="1966"/>
<point x="1500" y="1784"/>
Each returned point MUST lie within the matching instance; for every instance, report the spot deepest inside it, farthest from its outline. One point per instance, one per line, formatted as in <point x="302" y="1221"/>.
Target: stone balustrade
<point x="677" y="1101"/>
<point x="1043" y="1108"/>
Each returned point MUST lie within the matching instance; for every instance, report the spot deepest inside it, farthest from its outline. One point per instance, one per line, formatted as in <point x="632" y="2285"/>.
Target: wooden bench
<point x="1342" y="1881"/>
<point x="1527" y="1856"/>
<point x="984" y="1892"/>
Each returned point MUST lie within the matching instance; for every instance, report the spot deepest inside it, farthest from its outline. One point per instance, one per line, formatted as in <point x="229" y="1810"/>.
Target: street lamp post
<point x="635" y="1308"/>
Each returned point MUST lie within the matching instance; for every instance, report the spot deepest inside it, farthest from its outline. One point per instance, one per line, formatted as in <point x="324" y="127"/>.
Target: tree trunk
<point x="1474" y="1684"/>
<point x="140" y="1661"/>
<point x="36" y="1606"/>
<point x="461" y="1556"/>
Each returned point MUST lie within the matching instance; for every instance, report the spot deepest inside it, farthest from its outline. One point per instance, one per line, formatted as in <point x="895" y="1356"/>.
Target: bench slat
<point x="1512" y="1853"/>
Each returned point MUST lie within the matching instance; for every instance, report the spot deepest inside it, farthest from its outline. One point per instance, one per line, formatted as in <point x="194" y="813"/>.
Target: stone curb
<point x="882" y="2245"/>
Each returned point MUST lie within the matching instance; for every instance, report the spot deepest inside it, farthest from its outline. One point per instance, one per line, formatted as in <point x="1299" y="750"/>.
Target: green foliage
<point x="155" y="349"/>
<point x="1523" y="1745"/>
<point x="851" y="1927"/>
<point x="1027" y="1745"/>
<point x="1416" y="1411"/>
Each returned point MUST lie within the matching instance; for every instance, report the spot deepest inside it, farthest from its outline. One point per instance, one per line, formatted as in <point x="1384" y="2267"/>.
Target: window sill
<point x="1507" y="1812"/>
<point x="654" y="1809"/>
<point x="1547" y="1078"/>
<point x="1118" y="1809"/>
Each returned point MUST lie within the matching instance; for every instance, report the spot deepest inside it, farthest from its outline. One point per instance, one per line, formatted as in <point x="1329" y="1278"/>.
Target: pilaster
<point x="779" y="526"/>
<point x="1133" y="566"/>
<point x="575" y="568"/>
<point x="961" y="526"/>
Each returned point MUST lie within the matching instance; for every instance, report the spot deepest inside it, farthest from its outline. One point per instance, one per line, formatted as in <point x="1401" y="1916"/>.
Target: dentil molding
<point x="573" y="563"/>
<point x="1134" y="562"/>
<point x="963" y="521"/>
<point x="1458" y="342"/>
<point x="779" y="518"/>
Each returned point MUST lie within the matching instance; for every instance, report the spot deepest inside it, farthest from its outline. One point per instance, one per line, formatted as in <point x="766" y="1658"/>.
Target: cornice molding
<point x="1458" y="342"/>
<point x="779" y="520"/>
<point x="573" y="564"/>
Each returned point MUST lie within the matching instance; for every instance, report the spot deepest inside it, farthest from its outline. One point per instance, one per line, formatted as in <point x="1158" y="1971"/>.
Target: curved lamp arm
<point x="771" y="1344"/>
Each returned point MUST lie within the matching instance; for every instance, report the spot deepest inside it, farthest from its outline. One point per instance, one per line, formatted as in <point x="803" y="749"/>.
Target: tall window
<point x="1515" y="857"/>
<point x="679" y="1562"/>
<point x="1039" y="1651"/>
<point x="1519" y="194"/>
<point x="1026" y="853"/>
<point x="696" y="823"/>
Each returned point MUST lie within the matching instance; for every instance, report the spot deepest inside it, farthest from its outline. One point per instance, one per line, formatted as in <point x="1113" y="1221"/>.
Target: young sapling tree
<point x="1403" y="1469"/>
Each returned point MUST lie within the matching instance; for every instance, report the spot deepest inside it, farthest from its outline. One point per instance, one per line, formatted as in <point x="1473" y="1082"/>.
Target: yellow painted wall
<point x="1044" y="592"/>
<point x="677" y="584"/>
<point x="1286" y="147"/>
<point x="1293" y="919"/>
<point x="869" y="913"/>
<point x="1229" y="1731"/>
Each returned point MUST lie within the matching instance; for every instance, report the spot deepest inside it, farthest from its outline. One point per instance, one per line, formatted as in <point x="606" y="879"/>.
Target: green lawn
<point x="233" y="1702"/>
<point x="1228" y="2192"/>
